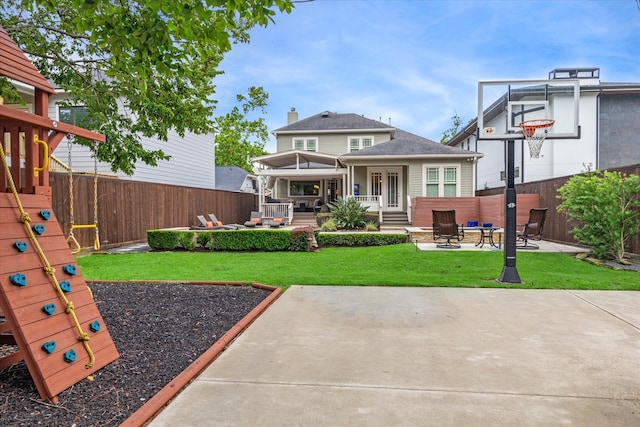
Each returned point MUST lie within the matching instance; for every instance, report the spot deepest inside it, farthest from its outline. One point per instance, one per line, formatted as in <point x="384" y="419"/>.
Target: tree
<point x="607" y="205"/>
<point x="239" y="138"/>
<point x="141" y="67"/>
<point x="453" y="130"/>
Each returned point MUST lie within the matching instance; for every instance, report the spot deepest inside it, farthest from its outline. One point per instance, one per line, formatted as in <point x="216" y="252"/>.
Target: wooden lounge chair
<point x="254" y="220"/>
<point x="445" y="227"/>
<point x="532" y="230"/>
<point x="277" y="221"/>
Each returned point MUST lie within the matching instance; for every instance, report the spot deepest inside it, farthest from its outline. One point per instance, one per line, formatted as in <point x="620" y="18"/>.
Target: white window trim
<point x="441" y="166"/>
<point x="306" y="140"/>
<point x="359" y="138"/>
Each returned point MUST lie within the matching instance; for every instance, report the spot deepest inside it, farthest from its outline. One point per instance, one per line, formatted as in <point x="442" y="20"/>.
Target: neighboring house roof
<point x="230" y="178"/>
<point x="406" y="144"/>
<point x="333" y="122"/>
<point x="15" y="65"/>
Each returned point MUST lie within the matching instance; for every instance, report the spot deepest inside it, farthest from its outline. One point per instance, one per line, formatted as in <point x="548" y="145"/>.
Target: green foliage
<point x="453" y="130"/>
<point x="9" y="93"/>
<point x="348" y="213"/>
<point x="328" y="225"/>
<point x="239" y="139"/>
<point x="153" y="60"/>
<point x="373" y="218"/>
<point x="361" y="239"/>
<point x="163" y="239"/>
<point x="321" y="217"/>
<point x="607" y="206"/>
<point x="370" y="226"/>
<point x="301" y="238"/>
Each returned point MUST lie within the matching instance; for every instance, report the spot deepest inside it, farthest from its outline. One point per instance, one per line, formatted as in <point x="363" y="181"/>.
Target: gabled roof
<point x="15" y="65"/>
<point x="406" y="144"/>
<point x="328" y="121"/>
<point x="299" y="158"/>
<point x="230" y="178"/>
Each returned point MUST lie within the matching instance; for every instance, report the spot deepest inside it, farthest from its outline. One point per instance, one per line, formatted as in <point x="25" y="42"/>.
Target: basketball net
<point x="535" y="132"/>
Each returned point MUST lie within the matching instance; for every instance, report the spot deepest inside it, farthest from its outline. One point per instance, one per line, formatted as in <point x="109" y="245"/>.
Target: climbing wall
<point x="35" y="311"/>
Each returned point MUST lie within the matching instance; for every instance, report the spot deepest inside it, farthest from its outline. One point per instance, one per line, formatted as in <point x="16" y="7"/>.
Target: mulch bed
<point x="158" y="329"/>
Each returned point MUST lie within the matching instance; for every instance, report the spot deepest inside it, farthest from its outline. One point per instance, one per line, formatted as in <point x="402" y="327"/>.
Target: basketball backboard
<point x="504" y="104"/>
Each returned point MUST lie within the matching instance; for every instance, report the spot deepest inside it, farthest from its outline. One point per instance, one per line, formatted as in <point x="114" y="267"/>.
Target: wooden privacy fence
<point x="556" y="226"/>
<point x="127" y="209"/>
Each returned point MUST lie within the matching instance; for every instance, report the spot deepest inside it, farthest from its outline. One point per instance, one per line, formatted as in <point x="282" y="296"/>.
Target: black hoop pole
<point x="509" y="271"/>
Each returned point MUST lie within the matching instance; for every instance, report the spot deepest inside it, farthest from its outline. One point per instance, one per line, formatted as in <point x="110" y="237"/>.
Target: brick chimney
<point x="292" y="116"/>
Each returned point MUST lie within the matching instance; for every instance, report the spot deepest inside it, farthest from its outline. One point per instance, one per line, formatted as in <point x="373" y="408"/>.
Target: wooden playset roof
<point x="15" y="65"/>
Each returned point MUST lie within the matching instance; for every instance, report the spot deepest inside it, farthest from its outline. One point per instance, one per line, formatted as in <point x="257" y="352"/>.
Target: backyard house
<point x="609" y="122"/>
<point x="330" y="154"/>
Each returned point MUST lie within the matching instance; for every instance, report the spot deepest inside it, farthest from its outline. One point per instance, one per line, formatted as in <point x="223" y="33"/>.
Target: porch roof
<point x="298" y="159"/>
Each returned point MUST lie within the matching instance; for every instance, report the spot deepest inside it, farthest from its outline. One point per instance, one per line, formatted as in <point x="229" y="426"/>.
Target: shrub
<point x="370" y="226"/>
<point x="348" y="213"/>
<point x="372" y="217"/>
<point x="607" y="205"/>
<point x="328" y="225"/>
<point x="361" y="239"/>
<point x="322" y="217"/>
<point x="302" y="239"/>
<point x="163" y="239"/>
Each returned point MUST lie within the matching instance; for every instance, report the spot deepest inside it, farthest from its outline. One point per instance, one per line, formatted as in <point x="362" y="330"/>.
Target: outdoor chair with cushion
<point x="217" y="223"/>
<point x="445" y="227"/>
<point x="204" y="224"/>
<point x="532" y="230"/>
<point x="317" y="204"/>
<point x="277" y="220"/>
<point x="254" y="220"/>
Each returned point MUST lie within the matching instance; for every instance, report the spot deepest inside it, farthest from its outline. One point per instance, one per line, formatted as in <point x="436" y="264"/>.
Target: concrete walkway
<point x="383" y="356"/>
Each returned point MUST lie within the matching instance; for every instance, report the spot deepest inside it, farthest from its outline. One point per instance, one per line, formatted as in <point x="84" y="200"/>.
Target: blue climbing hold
<point x="49" y="309"/>
<point x="18" y="279"/>
<point x="38" y="228"/>
<point x="45" y="214"/>
<point x="65" y="285"/>
<point x="70" y="356"/>
<point x="94" y="326"/>
<point x="70" y="269"/>
<point x="20" y="246"/>
<point x="49" y="346"/>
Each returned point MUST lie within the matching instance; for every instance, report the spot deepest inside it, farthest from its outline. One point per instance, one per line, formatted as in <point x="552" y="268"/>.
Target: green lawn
<point x="396" y="265"/>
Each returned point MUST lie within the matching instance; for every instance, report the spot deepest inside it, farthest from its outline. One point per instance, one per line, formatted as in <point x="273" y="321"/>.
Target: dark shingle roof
<point x="407" y="144"/>
<point x="333" y="121"/>
<point x="230" y="178"/>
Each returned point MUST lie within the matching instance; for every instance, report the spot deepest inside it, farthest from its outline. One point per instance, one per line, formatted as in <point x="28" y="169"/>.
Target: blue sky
<point x="416" y="63"/>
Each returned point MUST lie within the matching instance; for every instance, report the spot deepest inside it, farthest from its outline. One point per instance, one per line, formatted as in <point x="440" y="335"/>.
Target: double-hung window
<point x="360" y="143"/>
<point x="305" y="144"/>
<point x="442" y="181"/>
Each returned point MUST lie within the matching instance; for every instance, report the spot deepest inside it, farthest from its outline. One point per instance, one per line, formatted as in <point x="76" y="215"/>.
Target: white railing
<point x="269" y="209"/>
<point x="409" y="209"/>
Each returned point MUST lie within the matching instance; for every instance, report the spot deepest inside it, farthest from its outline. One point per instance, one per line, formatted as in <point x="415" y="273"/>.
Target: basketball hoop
<point x="535" y="132"/>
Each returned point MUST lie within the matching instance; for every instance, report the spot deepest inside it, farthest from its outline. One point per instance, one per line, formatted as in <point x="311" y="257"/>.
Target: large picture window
<point x="442" y="181"/>
<point x="304" y="188"/>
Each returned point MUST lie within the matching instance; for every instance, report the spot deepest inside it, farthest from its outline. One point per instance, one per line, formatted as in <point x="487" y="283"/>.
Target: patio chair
<point x="277" y="220"/>
<point x="317" y="204"/>
<point x="207" y="225"/>
<point x="217" y="223"/>
<point x="254" y="220"/>
<point x="445" y="227"/>
<point x="532" y="230"/>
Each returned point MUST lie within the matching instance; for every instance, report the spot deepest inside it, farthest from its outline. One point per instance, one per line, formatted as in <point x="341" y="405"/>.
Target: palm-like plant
<point x="348" y="213"/>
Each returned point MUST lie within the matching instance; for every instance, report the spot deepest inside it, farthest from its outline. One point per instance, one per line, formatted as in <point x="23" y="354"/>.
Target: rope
<point x="48" y="269"/>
